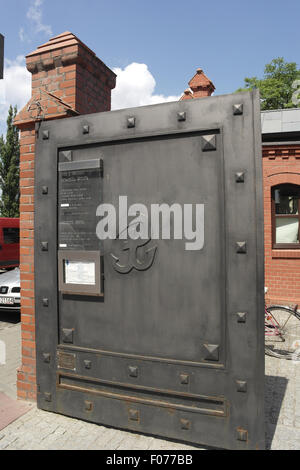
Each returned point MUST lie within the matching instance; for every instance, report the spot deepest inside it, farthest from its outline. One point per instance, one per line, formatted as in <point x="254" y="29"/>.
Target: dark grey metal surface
<point x="174" y="347"/>
<point x="1" y="55"/>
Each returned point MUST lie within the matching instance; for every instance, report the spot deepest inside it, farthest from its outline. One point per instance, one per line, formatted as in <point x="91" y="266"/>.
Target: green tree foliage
<point x="9" y="168"/>
<point x="276" y="87"/>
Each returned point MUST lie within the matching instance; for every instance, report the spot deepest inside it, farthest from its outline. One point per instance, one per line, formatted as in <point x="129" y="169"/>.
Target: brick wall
<point x="281" y="164"/>
<point x="67" y="79"/>
<point x="26" y="375"/>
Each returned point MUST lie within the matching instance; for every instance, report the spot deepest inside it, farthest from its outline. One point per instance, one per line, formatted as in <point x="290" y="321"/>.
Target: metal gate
<point x="161" y="334"/>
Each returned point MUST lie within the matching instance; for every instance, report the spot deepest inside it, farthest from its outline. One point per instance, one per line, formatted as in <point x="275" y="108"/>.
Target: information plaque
<point x="79" y="196"/>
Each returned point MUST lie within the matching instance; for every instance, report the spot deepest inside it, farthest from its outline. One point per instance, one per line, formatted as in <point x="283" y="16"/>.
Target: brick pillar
<point x="200" y="86"/>
<point x="68" y="79"/>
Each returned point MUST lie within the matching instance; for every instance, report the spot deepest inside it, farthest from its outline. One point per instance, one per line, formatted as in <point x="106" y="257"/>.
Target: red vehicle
<point x="9" y="242"/>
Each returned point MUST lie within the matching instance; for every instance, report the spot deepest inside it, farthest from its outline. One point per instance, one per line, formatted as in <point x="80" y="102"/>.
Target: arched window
<point x="286" y="216"/>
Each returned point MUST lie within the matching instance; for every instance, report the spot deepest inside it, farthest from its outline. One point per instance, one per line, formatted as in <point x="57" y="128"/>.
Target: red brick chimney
<point x="200" y="86"/>
<point x="67" y="79"/>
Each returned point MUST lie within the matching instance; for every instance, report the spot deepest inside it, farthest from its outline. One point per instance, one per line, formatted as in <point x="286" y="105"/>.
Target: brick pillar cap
<point x="201" y="82"/>
<point x="63" y="40"/>
<point x="187" y="95"/>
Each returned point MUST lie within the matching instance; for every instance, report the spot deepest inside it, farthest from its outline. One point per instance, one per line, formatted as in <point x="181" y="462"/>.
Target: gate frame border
<point x="103" y="129"/>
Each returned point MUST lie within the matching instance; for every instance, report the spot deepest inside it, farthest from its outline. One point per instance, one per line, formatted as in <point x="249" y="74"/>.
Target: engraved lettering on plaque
<point x="79" y="196"/>
<point x="66" y="361"/>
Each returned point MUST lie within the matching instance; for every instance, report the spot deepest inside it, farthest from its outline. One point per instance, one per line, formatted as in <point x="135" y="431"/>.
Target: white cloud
<point x="15" y="88"/>
<point x="135" y="87"/>
<point x="35" y="15"/>
<point x="22" y="35"/>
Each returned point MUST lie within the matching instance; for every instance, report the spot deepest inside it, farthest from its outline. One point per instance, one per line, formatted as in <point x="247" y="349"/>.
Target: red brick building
<point x="281" y="180"/>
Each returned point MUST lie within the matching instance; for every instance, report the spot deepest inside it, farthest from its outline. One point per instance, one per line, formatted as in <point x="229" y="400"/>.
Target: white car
<point x="10" y="297"/>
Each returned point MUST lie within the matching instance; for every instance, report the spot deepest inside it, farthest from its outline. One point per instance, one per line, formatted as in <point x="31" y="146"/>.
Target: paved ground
<point x="10" y="333"/>
<point x="282" y="404"/>
<point x="40" y="430"/>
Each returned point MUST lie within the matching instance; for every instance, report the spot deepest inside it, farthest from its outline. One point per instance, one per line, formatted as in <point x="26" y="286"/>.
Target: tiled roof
<point x="58" y="42"/>
<point x="200" y="80"/>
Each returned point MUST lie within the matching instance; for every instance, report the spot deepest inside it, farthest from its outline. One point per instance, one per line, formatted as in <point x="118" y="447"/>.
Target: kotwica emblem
<point x="134" y="254"/>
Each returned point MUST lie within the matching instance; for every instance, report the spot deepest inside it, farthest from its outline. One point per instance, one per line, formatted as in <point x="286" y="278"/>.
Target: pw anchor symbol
<point x="135" y="259"/>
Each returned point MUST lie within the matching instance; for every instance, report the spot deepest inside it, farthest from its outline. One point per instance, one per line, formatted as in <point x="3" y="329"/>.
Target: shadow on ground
<point x="275" y="388"/>
<point x="12" y="317"/>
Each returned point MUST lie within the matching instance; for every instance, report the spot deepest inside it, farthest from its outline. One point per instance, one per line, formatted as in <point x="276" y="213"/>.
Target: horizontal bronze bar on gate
<point x="162" y="360"/>
<point x="215" y="406"/>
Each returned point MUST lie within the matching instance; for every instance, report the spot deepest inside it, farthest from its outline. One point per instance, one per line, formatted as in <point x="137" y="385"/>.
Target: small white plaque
<point x="80" y="272"/>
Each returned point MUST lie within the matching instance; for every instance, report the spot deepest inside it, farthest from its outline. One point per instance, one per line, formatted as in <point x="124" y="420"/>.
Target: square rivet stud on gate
<point x="241" y="317"/>
<point x="240" y="177"/>
<point x="88" y="405"/>
<point x="242" y="434"/>
<point x="45" y="135"/>
<point x="184" y="379"/>
<point x="133" y="371"/>
<point x="241" y="247"/>
<point x="131" y="122"/>
<point x="44" y="246"/>
<point x="48" y="396"/>
<point x="238" y="109"/>
<point x="46" y="358"/>
<point x="241" y="386"/>
<point x="185" y="424"/>
<point x="67" y="335"/>
<point x="209" y="142"/>
<point x="66" y="156"/>
<point x="134" y="415"/>
<point x="181" y="116"/>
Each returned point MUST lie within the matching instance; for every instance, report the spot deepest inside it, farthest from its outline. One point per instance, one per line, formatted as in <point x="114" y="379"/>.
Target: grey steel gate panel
<point x="153" y="337"/>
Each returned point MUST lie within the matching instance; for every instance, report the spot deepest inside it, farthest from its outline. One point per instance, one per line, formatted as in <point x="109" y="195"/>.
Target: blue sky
<point x="227" y="39"/>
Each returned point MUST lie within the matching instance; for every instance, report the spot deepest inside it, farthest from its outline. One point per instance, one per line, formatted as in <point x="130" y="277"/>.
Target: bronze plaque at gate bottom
<point x="66" y="360"/>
